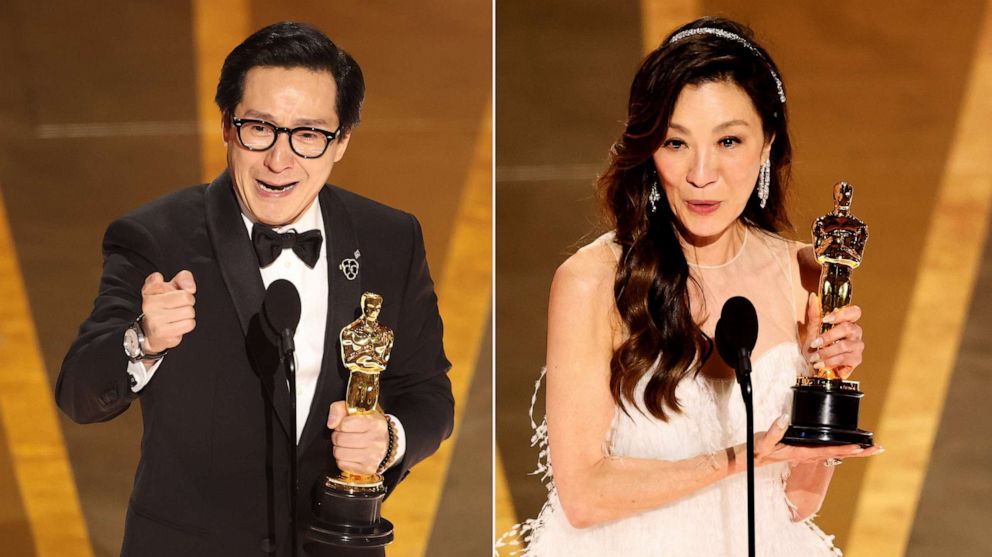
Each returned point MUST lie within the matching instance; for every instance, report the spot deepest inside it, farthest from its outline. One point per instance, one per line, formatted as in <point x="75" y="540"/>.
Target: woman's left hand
<point x="839" y="348"/>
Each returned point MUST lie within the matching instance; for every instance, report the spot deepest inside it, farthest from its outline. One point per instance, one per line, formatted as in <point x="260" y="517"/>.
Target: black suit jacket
<point x="213" y="478"/>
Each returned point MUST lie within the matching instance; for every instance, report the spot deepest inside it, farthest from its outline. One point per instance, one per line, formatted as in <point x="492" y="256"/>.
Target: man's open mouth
<point x="276" y="188"/>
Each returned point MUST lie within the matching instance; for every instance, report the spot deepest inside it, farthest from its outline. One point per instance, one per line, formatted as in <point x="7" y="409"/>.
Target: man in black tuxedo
<point x="213" y="478"/>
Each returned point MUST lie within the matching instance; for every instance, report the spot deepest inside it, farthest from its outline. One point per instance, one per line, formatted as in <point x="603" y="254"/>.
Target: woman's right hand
<point x="768" y="449"/>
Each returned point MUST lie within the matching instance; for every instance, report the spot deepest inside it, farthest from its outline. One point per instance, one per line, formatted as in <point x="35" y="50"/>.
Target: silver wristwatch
<point x="134" y="337"/>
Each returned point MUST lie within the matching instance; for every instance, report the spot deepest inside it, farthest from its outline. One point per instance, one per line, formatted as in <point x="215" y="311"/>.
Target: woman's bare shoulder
<point x="591" y="269"/>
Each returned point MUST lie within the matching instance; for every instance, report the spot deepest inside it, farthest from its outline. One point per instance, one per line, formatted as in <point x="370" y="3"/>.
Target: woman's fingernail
<point x="817" y="342"/>
<point x="818" y="365"/>
<point x="814" y="358"/>
<point x="828" y="318"/>
<point x="880" y="450"/>
<point x="783" y="420"/>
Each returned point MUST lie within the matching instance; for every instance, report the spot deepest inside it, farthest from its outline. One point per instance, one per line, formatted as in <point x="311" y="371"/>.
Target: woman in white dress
<point x="645" y="423"/>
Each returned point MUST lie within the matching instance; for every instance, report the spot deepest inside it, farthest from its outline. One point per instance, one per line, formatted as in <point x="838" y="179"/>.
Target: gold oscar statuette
<point x="824" y="406"/>
<point x="365" y="348"/>
<point x="347" y="505"/>
<point x="839" y="240"/>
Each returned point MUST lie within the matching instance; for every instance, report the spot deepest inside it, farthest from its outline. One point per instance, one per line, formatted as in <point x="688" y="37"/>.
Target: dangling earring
<point x="654" y="196"/>
<point x="764" y="182"/>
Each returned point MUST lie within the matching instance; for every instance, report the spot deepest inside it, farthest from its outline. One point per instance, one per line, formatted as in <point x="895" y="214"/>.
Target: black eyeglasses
<point x="259" y="135"/>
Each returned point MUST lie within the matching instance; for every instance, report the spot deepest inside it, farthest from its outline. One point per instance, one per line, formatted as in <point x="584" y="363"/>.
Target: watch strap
<point x="142" y="355"/>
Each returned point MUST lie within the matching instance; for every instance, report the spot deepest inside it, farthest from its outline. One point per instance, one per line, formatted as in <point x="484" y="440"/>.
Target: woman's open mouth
<point x="703" y="207"/>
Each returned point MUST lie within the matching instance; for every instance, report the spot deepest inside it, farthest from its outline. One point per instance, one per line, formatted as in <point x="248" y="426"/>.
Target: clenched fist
<point x="360" y="441"/>
<point x="168" y="310"/>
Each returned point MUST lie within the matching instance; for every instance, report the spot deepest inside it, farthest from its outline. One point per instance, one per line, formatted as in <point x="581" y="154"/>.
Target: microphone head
<point x="281" y="307"/>
<point x="737" y="329"/>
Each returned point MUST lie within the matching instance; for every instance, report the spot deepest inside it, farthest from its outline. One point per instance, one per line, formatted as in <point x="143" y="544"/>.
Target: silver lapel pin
<point x="350" y="266"/>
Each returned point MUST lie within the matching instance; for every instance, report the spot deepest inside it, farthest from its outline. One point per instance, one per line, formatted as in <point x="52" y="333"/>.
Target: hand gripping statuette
<point x="824" y="406"/>
<point x="347" y="505"/>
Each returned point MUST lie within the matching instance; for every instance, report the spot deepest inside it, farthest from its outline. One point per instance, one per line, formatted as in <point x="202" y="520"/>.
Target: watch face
<point x="131" y="346"/>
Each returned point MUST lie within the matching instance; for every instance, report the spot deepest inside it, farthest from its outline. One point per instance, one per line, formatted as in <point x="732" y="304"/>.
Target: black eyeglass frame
<point x="331" y="136"/>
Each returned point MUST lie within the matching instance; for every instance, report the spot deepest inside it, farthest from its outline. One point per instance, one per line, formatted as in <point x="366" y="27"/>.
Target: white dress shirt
<point x="309" y="337"/>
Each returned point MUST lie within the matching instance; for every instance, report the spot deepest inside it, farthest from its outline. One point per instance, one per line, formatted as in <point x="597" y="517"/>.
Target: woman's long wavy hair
<point x="651" y="287"/>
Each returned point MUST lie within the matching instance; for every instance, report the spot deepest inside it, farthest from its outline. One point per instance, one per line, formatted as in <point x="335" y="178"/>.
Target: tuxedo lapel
<point x="239" y="267"/>
<point x="344" y="297"/>
<point x="237" y="260"/>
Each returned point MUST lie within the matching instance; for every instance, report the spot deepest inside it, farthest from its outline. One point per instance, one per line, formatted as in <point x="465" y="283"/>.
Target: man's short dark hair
<point x="292" y="44"/>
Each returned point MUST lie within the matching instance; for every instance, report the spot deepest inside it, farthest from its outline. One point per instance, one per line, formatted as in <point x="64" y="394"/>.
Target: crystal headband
<point x="737" y="39"/>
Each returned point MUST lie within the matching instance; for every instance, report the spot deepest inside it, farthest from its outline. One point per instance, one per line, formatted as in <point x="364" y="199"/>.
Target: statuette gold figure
<point x="347" y="506"/>
<point x="839" y="240"/>
<point x="365" y="348"/>
<point x="825" y="407"/>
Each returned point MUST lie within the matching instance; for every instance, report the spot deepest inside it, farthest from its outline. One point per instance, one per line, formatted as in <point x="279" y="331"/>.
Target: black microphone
<point x="736" y="333"/>
<point x="281" y="313"/>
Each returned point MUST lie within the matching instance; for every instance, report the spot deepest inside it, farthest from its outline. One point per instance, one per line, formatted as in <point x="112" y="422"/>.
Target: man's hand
<point x="168" y="310"/>
<point x="360" y="441"/>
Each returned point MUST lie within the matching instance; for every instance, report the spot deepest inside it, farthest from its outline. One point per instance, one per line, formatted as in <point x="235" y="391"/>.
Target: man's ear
<point x="226" y="129"/>
<point x="342" y="146"/>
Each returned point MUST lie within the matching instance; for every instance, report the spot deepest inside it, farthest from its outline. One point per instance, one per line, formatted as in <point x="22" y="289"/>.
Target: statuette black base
<point x="825" y="412"/>
<point x="346" y="519"/>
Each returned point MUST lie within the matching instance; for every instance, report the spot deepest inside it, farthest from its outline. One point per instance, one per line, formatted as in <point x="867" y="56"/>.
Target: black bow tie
<point x="269" y="244"/>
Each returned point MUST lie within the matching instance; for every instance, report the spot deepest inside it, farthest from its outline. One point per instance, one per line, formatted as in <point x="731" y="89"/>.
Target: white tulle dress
<point x="712" y="521"/>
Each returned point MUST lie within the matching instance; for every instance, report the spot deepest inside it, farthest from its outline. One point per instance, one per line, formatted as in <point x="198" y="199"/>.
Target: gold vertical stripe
<point x="40" y="462"/>
<point x="464" y="297"/>
<point x="661" y="17"/>
<point x="886" y="508"/>
<point x="218" y="27"/>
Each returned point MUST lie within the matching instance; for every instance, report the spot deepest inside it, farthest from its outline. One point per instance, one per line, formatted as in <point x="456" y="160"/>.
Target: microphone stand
<point x="287" y="350"/>
<point x="743" y="369"/>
